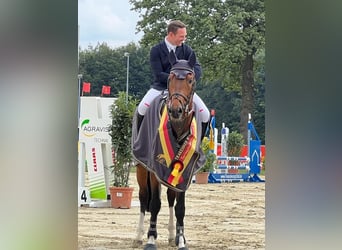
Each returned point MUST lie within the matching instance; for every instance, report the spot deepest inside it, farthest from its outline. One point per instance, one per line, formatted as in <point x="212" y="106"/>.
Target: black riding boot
<point x="204" y="129"/>
<point x="139" y="121"/>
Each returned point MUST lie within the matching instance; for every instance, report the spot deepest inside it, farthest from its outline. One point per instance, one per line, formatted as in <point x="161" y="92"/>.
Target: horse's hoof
<point x="150" y="247"/>
<point x="177" y="240"/>
<point x="183" y="248"/>
<point x="137" y="243"/>
<point x="172" y="243"/>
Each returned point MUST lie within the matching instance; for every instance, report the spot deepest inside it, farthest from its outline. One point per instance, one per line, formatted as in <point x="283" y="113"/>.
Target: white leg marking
<point x="151" y="240"/>
<point x="140" y="229"/>
<point x="171" y="227"/>
<point x="181" y="242"/>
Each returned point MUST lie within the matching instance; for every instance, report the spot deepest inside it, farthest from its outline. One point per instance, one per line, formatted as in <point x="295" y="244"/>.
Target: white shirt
<point x="170" y="46"/>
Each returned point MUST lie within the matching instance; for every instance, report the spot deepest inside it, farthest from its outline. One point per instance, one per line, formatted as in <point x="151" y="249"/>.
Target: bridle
<point x="180" y="71"/>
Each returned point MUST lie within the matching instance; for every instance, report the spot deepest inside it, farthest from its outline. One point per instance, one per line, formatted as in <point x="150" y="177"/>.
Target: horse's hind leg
<point x="171" y="197"/>
<point x="154" y="208"/>
<point x="142" y="178"/>
<point x="180" y="213"/>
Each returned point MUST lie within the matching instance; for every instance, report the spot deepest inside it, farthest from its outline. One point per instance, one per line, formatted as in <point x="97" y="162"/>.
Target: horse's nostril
<point x="180" y="110"/>
<point x="174" y="113"/>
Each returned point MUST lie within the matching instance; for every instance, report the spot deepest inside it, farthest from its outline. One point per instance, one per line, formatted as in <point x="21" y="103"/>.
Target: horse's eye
<point x="190" y="78"/>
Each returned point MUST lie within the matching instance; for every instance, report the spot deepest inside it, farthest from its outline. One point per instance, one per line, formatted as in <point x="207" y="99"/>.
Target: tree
<point x="226" y="36"/>
<point x="122" y="112"/>
<point x="102" y="65"/>
<point x="226" y="104"/>
<point x="258" y="116"/>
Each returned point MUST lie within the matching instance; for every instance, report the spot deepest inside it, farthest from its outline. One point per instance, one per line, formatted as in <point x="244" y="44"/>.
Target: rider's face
<point x="179" y="37"/>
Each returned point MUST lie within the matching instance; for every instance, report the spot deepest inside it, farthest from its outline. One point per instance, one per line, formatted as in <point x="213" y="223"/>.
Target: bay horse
<point x="167" y="151"/>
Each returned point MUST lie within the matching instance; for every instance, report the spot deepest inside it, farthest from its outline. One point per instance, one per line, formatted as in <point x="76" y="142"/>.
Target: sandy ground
<point x="218" y="216"/>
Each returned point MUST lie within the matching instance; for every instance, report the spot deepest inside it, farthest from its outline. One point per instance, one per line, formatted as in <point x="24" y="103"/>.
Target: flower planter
<point x="202" y="177"/>
<point x="121" y="197"/>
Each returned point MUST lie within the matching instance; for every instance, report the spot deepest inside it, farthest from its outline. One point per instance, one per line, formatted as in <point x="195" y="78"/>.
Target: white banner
<point x="95" y="145"/>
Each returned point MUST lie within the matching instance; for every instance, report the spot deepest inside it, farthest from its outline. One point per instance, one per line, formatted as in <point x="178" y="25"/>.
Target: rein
<point x="180" y="125"/>
<point x="185" y="102"/>
<point x="185" y="105"/>
<point x="180" y="95"/>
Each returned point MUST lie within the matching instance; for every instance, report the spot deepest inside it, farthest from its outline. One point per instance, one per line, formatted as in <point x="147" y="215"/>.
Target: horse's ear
<point x="192" y="59"/>
<point x="172" y="57"/>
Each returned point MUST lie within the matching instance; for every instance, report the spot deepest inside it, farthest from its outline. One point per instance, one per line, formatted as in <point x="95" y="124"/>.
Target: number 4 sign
<point x="83" y="196"/>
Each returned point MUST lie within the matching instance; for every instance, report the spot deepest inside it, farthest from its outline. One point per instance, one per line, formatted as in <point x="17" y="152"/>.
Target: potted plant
<point x="203" y="173"/>
<point x="122" y="111"/>
<point x="235" y="145"/>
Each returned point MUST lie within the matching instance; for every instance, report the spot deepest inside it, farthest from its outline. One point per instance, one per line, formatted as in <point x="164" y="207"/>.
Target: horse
<point x="168" y="152"/>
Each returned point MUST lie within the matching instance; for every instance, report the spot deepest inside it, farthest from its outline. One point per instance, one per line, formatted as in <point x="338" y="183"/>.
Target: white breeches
<point x="153" y="93"/>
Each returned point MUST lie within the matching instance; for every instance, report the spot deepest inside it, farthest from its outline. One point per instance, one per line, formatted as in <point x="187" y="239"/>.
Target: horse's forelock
<point x="182" y="65"/>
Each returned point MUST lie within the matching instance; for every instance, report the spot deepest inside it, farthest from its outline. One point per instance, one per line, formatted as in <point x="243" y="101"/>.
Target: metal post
<point x="249" y="136"/>
<point x="127" y="55"/>
<point x="79" y="98"/>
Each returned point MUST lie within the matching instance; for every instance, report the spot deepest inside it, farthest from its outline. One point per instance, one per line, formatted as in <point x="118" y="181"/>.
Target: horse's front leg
<point x="154" y="208"/>
<point x="171" y="197"/>
<point x="180" y="213"/>
<point x="143" y="182"/>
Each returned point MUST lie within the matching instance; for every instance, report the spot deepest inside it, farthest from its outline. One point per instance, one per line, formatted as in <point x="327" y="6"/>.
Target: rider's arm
<point x="198" y="68"/>
<point x="156" y="62"/>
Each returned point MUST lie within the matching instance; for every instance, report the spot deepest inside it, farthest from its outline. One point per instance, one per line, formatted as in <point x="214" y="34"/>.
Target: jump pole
<point x="251" y="163"/>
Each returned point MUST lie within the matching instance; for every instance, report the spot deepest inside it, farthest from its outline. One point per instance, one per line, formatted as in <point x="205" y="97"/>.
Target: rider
<point x="159" y="60"/>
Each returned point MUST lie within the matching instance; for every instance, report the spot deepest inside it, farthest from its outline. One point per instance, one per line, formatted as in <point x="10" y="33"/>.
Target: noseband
<point x="180" y="71"/>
